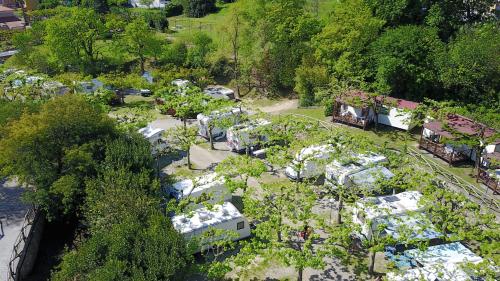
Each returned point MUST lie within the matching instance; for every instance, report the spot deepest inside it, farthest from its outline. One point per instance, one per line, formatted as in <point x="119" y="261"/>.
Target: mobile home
<point x="435" y="136"/>
<point x="224" y="217"/>
<point x="155" y="137"/>
<point x="342" y="173"/>
<point x="243" y="136"/>
<point x="489" y="167"/>
<point x="310" y="162"/>
<point x="233" y="115"/>
<point x="210" y="187"/>
<point x="358" y="108"/>
<point x="369" y="212"/>
<point x="396" y="113"/>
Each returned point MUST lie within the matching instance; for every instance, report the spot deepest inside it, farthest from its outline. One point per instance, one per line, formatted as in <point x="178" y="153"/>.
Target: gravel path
<point x="281" y="106"/>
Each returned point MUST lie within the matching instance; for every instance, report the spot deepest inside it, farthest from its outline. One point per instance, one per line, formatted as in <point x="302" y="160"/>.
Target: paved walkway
<point x="12" y="212"/>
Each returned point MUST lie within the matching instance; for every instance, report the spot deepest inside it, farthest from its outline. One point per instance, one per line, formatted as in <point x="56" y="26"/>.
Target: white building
<point x="219" y="92"/>
<point x="339" y="172"/>
<point x="155" y="137"/>
<point x="224" y="217"/>
<point x="210" y="187"/>
<point x="243" y="136"/>
<point x="369" y="212"/>
<point x="232" y="115"/>
<point x="154" y="3"/>
<point x="310" y="162"/>
<point x="396" y="113"/>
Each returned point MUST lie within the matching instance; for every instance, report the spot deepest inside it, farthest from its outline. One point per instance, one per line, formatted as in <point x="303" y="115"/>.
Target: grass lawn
<point x="183" y="27"/>
<point x="316" y="112"/>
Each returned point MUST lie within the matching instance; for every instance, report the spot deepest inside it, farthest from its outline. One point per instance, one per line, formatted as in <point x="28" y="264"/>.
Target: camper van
<point x="210" y="186"/>
<point x="342" y="173"/>
<point x="243" y="136"/>
<point x="375" y="210"/>
<point x="217" y="133"/>
<point x="219" y="92"/>
<point x="155" y="137"/>
<point x="312" y="159"/>
<point x="225" y="217"/>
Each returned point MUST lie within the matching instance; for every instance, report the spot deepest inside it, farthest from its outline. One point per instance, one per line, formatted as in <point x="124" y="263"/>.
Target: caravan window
<point x="240" y="225"/>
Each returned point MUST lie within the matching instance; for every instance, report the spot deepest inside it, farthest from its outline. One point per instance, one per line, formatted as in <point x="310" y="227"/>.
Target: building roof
<point x="149" y="131"/>
<point x="420" y="226"/>
<point x="204" y="218"/>
<point x="446" y="253"/>
<point x="220" y="114"/>
<point x="188" y="186"/>
<point x="219" y="92"/>
<point x="356" y="96"/>
<point x="248" y="126"/>
<point x="460" y="124"/>
<point x="370" y="176"/>
<point x="359" y="162"/>
<point x="397" y="204"/>
<point x="437" y="272"/>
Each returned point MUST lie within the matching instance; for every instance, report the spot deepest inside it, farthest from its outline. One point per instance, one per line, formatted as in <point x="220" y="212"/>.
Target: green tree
<point x="72" y="37"/>
<point x="405" y="62"/>
<point x="185" y="105"/>
<point x="196" y="55"/>
<point x="198" y="8"/>
<point x="183" y="138"/>
<point x="238" y="169"/>
<point x="470" y="70"/>
<point x="52" y="151"/>
<point x="343" y="42"/>
<point x="140" y="41"/>
<point x="307" y="81"/>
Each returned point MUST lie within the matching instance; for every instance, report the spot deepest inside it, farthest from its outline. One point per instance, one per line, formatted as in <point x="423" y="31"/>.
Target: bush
<point x="175" y="54"/>
<point x="172" y="10"/>
<point x="156" y="19"/>
<point x="198" y="8"/>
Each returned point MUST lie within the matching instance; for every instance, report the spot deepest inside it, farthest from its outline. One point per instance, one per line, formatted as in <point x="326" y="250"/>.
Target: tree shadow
<point x="12" y="206"/>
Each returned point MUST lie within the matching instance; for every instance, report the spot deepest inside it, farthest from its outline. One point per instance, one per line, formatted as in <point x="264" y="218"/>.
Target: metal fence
<point x="23" y="242"/>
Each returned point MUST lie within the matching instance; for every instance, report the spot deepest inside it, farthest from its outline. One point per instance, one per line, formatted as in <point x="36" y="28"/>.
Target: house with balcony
<point x="360" y="109"/>
<point x="488" y="171"/>
<point x="442" y="138"/>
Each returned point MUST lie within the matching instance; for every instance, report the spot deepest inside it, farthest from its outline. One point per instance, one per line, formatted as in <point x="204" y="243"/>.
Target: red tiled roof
<point x="348" y="97"/>
<point x="460" y="124"/>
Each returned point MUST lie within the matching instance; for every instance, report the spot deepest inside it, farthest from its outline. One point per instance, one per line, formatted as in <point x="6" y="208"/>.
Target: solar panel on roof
<point x="391" y="199"/>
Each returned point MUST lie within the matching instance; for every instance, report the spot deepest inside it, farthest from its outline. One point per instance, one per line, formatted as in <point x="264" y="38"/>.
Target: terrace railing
<point x="349" y="119"/>
<point x="439" y="150"/>
<point x="490" y="181"/>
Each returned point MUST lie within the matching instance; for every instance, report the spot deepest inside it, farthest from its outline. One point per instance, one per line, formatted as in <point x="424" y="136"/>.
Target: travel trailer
<point x="233" y="115"/>
<point x="342" y="173"/>
<point x="210" y="187"/>
<point x="369" y="212"/>
<point x="155" y="137"/>
<point x="219" y="92"/>
<point x="440" y="262"/>
<point x="310" y="162"/>
<point x="224" y="217"/>
<point x="153" y="4"/>
<point x="244" y="136"/>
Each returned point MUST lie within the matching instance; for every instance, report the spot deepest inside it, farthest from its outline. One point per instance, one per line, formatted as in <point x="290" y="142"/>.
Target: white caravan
<point x="243" y="136"/>
<point x="181" y="83"/>
<point x="219" y="92"/>
<point x="342" y="173"/>
<point x="209" y="188"/>
<point x="310" y="162"/>
<point x="217" y="133"/>
<point x="224" y="217"/>
<point x="155" y="137"/>
<point x="375" y="210"/>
